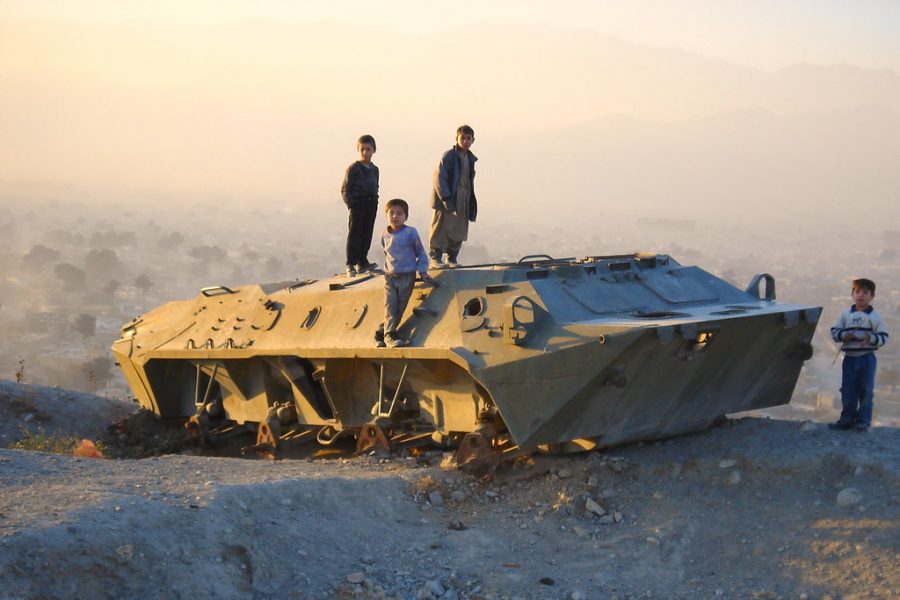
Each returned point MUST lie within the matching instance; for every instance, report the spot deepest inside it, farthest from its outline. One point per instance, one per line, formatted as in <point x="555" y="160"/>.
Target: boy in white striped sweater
<point x="860" y="331"/>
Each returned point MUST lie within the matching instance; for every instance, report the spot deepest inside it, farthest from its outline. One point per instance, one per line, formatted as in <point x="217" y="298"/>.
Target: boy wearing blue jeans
<point x="860" y="331"/>
<point x="404" y="255"/>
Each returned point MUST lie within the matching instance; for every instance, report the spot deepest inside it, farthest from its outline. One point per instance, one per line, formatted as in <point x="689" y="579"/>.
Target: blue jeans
<point x="857" y="385"/>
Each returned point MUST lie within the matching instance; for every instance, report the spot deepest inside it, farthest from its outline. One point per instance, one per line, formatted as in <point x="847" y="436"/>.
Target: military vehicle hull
<point x="547" y="351"/>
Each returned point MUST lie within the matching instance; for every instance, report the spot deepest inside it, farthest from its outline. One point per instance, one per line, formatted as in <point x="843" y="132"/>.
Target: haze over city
<point x="200" y="142"/>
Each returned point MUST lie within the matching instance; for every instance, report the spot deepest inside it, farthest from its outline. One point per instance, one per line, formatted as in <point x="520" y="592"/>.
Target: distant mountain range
<point x="275" y="108"/>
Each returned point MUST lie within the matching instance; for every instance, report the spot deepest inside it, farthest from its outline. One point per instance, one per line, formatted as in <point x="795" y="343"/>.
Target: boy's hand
<point x="429" y="279"/>
<point x="848" y="336"/>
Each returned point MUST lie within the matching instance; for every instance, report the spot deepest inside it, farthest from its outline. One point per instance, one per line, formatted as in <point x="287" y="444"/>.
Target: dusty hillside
<point x="756" y="508"/>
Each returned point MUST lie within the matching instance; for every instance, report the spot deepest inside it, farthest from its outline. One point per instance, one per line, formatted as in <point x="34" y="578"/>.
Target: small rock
<point x="450" y="594"/>
<point x="734" y="478"/>
<point x="564" y="473"/>
<point x="727" y="463"/>
<point x="356" y="577"/>
<point x="657" y="496"/>
<point x="807" y="426"/>
<point x="434" y="587"/>
<point x="617" y="467"/>
<point x="124" y="554"/>
<point x="577" y="595"/>
<point x="547" y="581"/>
<point x="593" y="481"/>
<point x="607" y="519"/>
<point x="858" y="471"/>
<point x="436" y="498"/>
<point x="458" y="495"/>
<point x="456" y="526"/>
<point x="491" y="493"/>
<point x="849" y="496"/>
<point x="580" y="531"/>
<point x="591" y="505"/>
<point x="618" y="517"/>
<point x="367" y="560"/>
<point x="652" y="541"/>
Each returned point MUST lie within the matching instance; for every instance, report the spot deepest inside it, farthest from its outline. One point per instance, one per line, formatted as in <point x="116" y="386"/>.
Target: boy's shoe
<point x="436" y="263"/>
<point x="860" y="426"/>
<point x="840" y="426"/>
<point x="395" y="342"/>
<point x="366" y="267"/>
<point x="351" y="271"/>
<point x="451" y="263"/>
<point x="380" y="344"/>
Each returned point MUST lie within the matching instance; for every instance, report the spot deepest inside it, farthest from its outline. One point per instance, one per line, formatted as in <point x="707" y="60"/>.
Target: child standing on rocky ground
<point x="860" y="331"/>
<point x="404" y="255"/>
<point x="453" y="199"/>
<point x="360" y="194"/>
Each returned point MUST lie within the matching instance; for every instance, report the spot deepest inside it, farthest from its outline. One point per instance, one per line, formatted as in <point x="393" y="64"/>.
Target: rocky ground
<point x="755" y="508"/>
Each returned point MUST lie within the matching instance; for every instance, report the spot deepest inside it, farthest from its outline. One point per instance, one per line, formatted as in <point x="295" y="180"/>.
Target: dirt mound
<point x="756" y="508"/>
<point x="32" y="408"/>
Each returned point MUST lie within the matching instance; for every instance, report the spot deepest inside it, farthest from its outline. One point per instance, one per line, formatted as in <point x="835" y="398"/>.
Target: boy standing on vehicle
<point x="860" y="331"/>
<point x="360" y="193"/>
<point x="453" y="199"/>
<point x="404" y="255"/>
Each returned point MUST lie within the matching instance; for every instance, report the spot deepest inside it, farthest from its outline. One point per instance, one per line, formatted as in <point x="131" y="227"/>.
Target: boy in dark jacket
<point x="453" y="199"/>
<point x="360" y="194"/>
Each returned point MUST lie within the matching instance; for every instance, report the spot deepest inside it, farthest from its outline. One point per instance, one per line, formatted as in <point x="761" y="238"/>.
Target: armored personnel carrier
<point x="543" y="352"/>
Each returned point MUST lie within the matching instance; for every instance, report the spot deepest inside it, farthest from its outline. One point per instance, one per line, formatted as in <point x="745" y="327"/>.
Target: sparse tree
<point x="171" y="241"/>
<point x="97" y="372"/>
<point x="85" y="324"/>
<point x="273" y="267"/>
<point x="143" y="283"/>
<point x="111" y="239"/>
<point x="39" y="257"/>
<point x="102" y="262"/>
<point x="73" y="278"/>
<point x="209" y="254"/>
<point x="111" y="287"/>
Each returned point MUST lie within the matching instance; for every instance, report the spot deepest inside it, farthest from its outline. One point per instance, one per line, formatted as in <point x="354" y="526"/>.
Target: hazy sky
<point x="795" y="98"/>
<point x="759" y="33"/>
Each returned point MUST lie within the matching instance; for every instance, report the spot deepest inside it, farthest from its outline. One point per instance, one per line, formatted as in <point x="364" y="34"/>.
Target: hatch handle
<point x="753" y="287"/>
<point x="216" y="290"/>
<point x="531" y="257"/>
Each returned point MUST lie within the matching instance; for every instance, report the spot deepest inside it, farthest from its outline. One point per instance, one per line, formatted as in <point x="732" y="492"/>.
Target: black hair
<point x="465" y="129"/>
<point x="366" y="139"/>
<point x="865" y="284"/>
<point x="397" y="202"/>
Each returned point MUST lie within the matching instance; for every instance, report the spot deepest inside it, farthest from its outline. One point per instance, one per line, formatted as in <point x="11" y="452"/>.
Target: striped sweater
<point x="867" y="328"/>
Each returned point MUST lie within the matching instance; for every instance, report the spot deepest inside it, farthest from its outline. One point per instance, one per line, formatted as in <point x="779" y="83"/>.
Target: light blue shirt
<point x="403" y="251"/>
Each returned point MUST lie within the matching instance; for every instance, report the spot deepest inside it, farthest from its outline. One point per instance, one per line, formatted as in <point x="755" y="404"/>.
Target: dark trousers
<point x="857" y="387"/>
<point x="359" y="236"/>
